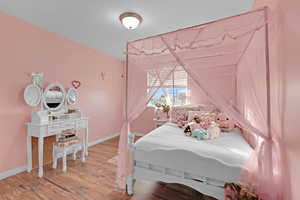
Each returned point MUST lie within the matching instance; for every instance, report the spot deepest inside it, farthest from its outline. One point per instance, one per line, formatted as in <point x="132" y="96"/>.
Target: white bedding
<point x="229" y="148"/>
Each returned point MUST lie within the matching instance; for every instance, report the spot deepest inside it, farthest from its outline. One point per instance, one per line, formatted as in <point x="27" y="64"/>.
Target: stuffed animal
<point x="214" y="130"/>
<point x="197" y="119"/>
<point x="205" y="125"/>
<point x="202" y="131"/>
<point x="226" y="124"/>
<point x="200" y="134"/>
<point x="187" y="131"/>
<point x="190" y="127"/>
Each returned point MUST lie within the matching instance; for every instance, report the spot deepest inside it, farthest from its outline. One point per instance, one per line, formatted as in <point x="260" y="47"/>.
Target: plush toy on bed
<point x="190" y="127"/>
<point x="226" y="124"/>
<point x="202" y="130"/>
<point x="206" y="134"/>
<point x="187" y="130"/>
<point x="201" y="134"/>
<point x="214" y="130"/>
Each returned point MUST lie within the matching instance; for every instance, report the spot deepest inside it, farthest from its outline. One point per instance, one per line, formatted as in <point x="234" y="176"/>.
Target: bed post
<point x="130" y="142"/>
<point x="268" y="84"/>
<point x="268" y="87"/>
<point x="130" y="178"/>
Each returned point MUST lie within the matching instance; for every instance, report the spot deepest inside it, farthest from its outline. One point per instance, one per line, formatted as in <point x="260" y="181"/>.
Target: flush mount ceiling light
<point x="130" y="20"/>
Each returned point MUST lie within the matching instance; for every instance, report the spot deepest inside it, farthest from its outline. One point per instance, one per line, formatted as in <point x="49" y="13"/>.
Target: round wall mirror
<point x="72" y="96"/>
<point x="32" y="95"/>
<point x="54" y="96"/>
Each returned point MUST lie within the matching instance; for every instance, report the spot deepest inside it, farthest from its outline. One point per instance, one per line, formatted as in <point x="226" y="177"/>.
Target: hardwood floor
<point x="93" y="180"/>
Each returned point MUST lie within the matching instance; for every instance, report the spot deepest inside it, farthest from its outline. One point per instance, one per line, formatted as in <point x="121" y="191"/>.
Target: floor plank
<point x="92" y="180"/>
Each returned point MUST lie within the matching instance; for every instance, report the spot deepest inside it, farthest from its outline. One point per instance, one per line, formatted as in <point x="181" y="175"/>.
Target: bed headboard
<point x="181" y="112"/>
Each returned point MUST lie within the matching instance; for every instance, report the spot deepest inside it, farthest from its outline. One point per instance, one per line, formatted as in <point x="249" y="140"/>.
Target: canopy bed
<point x="228" y="60"/>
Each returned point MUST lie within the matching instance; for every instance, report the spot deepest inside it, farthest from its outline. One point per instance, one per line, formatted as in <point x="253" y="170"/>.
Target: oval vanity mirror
<point x="32" y="95"/>
<point x="72" y="96"/>
<point x="54" y="96"/>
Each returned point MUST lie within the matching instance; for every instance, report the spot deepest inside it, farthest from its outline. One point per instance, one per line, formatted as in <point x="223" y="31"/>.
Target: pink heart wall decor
<point x="76" y="84"/>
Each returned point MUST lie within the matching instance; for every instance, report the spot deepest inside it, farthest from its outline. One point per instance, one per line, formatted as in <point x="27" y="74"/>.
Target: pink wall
<point x="288" y="49"/>
<point x="26" y="48"/>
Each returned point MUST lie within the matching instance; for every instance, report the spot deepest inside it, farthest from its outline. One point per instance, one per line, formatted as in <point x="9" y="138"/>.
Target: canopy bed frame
<point x="228" y="60"/>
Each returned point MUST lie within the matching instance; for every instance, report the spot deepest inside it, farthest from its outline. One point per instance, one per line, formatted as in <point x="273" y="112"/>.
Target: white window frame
<point x="172" y="100"/>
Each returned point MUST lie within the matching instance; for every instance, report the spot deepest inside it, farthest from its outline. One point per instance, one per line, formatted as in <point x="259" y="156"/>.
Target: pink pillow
<point x="203" y="115"/>
<point x="181" y="113"/>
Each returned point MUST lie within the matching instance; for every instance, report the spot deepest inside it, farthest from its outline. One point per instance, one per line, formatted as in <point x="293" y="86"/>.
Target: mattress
<point x="221" y="158"/>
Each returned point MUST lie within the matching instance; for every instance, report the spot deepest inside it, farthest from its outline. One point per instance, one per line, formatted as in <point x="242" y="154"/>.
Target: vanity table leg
<point x="29" y="154"/>
<point x="86" y="141"/>
<point x="41" y="156"/>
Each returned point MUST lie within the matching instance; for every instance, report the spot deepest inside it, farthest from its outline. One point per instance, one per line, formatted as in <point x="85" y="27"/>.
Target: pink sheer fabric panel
<point x="251" y="86"/>
<point x="265" y="165"/>
<point x="139" y="93"/>
<point x="226" y="60"/>
<point x="211" y="58"/>
<point x="274" y="153"/>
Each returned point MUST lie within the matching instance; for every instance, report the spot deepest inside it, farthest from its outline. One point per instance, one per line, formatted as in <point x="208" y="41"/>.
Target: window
<point x="174" y="90"/>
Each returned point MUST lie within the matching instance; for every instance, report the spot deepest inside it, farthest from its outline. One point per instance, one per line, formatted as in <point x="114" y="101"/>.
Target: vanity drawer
<point x="54" y="129"/>
<point x="69" y="124"/>
<point x="38" y="131"/>
<point x="61" y="126"/>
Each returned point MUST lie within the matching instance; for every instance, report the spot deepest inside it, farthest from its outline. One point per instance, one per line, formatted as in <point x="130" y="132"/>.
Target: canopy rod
<point x="189" y="47"/>
<point x="204" y="68"/>
<point x="218" y="20"/>
<point x="207" y="56"/>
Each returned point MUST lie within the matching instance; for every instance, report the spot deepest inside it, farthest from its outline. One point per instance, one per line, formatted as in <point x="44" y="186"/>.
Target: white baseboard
<point x="103" y="139"/>
<point x="18" y="170"/>
<point x="12" y="172"/>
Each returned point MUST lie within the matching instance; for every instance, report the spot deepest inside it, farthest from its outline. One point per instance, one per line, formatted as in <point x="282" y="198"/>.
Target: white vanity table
<point x="54" y="117"/>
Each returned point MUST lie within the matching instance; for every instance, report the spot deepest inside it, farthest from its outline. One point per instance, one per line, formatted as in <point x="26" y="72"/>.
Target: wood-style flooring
<point x="92" y="180"/>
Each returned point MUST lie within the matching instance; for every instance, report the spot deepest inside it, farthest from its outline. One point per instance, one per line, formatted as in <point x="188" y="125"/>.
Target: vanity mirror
<point x="33" y="95"/>
<point x="54" y="97"/>
<point x="72" y="96"/>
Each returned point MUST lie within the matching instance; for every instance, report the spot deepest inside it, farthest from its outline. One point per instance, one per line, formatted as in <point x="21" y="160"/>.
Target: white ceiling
<point x="95" y="23"/>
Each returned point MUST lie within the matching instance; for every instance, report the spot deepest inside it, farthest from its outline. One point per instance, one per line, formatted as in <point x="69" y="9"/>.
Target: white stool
<point x="63" y="151"/>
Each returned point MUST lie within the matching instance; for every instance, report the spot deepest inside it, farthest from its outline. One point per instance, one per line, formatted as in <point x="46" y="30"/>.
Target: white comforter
<point x="229" y="148"/>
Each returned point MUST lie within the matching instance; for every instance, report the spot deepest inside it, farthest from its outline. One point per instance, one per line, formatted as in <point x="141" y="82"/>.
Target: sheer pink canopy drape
<point x="228" y="61"/>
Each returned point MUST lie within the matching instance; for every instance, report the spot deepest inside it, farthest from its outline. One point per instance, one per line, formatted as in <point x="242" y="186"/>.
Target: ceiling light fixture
<point x="130" y="20"/>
